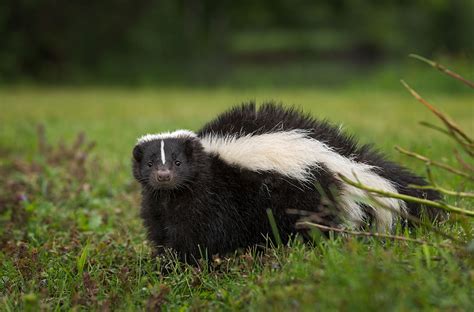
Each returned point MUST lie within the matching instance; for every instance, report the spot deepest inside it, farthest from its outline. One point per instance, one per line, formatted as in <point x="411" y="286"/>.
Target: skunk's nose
<point x="163" y="175"/>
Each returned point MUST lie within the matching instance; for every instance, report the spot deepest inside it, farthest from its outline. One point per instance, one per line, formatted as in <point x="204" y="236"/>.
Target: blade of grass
<point x="81" y="261"/>
<point x="274" y="227"/>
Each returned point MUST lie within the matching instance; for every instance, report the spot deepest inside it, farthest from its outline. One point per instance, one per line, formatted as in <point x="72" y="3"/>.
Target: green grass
<point x="76" y="240"/>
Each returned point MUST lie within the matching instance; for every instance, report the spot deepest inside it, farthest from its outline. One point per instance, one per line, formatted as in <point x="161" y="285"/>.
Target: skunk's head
<point x="167" y="161"/>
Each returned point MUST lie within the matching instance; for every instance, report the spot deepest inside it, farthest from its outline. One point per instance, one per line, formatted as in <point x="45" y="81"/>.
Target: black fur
<point x="269" y="117"/>
<point x="210" y="207"/>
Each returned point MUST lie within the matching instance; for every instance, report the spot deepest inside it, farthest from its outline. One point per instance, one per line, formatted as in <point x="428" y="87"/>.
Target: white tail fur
<point x="293" y="154"/>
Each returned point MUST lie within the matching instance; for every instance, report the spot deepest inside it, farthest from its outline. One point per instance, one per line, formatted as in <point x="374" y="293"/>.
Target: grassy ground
<point x="70" y="236"/>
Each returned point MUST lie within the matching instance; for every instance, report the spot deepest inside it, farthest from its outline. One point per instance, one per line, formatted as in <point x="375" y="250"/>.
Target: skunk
<point x="208" y="192"/>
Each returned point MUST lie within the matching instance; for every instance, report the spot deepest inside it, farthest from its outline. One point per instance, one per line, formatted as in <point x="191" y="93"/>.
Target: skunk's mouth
<point x="162" y="180"/>
<point x="161" y="185"/>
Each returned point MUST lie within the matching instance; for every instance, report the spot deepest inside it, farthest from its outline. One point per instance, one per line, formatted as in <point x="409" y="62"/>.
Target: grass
<point x="71" y="237"/>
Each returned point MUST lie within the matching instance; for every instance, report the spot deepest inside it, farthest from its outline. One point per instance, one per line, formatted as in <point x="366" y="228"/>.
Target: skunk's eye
<point x="150" y="163"/>
<point x="177" y="163"/>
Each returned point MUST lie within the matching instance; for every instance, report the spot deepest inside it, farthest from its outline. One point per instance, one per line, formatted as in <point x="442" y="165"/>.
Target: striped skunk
<point x="208" y="192"/>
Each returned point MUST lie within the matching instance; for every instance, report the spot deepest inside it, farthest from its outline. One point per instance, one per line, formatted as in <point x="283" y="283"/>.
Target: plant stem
<point x="463" y="163"/>
<point x="443" y="69"/>
<point x="442" y="190"/>
<point x="452" y="126"/>
<point x="305" y="224"/>
<point x="408" y="198"/>
<point x="434" y="163"/>
<point x="434" y="127"/>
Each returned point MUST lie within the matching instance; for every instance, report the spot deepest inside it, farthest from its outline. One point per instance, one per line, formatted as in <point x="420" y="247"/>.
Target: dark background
<point x="206" y="42"/>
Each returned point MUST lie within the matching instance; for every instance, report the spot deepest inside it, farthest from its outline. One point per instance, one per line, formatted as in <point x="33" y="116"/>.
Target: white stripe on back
<point x="293" y="154"/>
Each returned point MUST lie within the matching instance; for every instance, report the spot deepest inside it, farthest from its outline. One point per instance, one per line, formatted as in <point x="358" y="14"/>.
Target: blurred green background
<point x="72" y="240"/>
<point x="229" y="43"/>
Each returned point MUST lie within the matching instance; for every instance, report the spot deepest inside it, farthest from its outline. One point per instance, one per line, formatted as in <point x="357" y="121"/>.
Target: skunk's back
<point x="270" y="117"/>
<point x="248" y="120"/>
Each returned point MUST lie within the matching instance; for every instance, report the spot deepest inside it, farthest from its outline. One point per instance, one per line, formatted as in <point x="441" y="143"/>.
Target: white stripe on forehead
<point x="163" y="159"/>
<point x="166" y="135"/>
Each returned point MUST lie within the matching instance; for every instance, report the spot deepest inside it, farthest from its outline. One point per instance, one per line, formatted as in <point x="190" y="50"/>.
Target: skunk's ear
<point x="137" y="153"/>
<point x="192" y="145"/>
